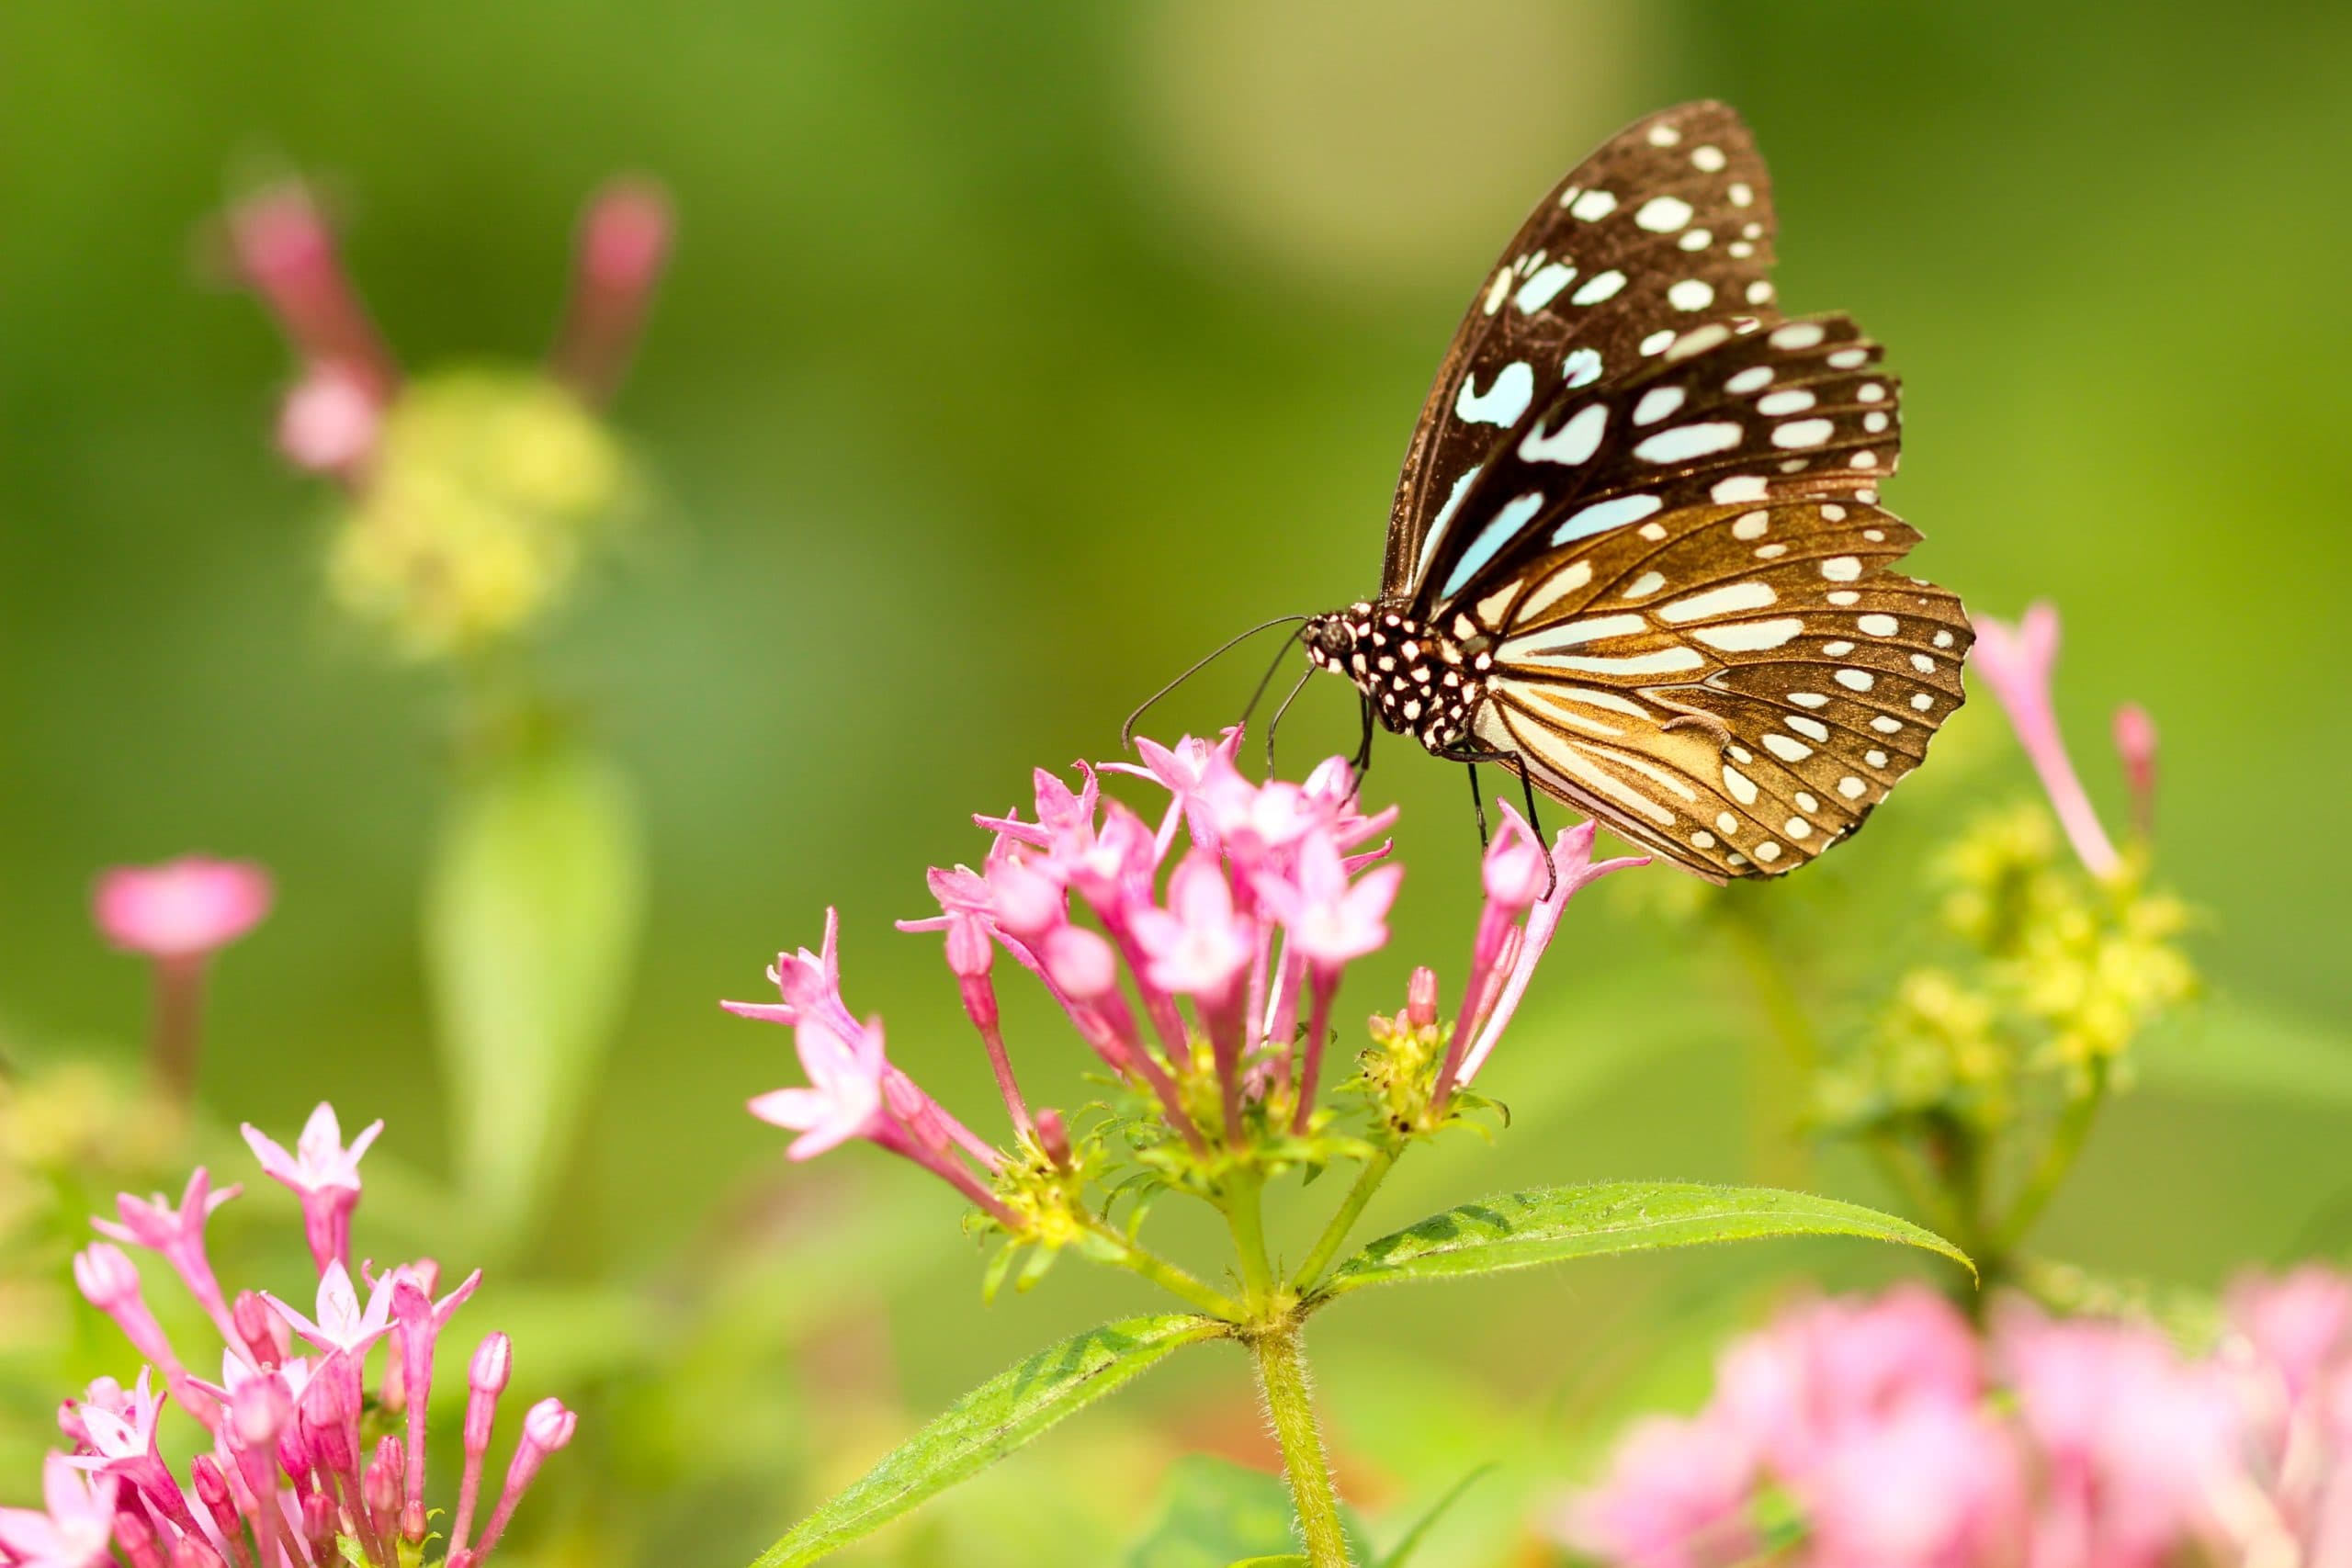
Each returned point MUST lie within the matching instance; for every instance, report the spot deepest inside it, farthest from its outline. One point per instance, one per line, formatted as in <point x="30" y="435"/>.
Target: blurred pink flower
<point x="1199" y="945"/>
<point x="2015" y="661"/>
<point x="285" y="250"/>
<point x="2298" y="1325"/>
<point x="73" y="1528"/>
<point x="1678" y="1496"/>
<point x="1930" y="1486"/>
<point x="330" y="421"/>
<point x="182" y="909"/>
<point x="322" y="1173"/>
<point x="624" y="239"/>
<point x="2136" y="742"/>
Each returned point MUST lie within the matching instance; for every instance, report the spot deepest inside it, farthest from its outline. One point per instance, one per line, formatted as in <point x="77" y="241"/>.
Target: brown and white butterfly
<point x="1637" y="553"/>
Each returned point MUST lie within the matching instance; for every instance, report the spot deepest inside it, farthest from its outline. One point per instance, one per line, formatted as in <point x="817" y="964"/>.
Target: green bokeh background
<point x="1011" y="355"/>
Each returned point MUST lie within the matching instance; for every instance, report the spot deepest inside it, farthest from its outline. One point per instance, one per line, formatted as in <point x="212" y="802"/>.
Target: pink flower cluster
<point x="283" y="247"/>
<point x="183" y="909"/>
<point x="1227" y="921"/>
<point x="1886" y="1434"/>
<point x="290" y="1477"/>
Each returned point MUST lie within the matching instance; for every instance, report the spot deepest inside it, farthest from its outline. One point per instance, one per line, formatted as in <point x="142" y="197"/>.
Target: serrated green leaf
<point x="531" y="914"/>
<point x="994" y="1419"/>
<point x="1428" y="1521"/>
<point x="1552" y="1225"/>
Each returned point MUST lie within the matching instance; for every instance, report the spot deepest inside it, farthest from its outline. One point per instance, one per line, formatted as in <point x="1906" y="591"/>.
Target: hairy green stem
<point x="1282" y="1383"/>
<point x="1376" y="1170"/>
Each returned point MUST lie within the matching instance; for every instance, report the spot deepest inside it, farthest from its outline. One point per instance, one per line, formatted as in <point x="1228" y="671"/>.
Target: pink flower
<point x="1828" y="1370"/>
<point x="179" y="1235"/>
<point x="1199" y="945"/>
<point x="285" y="250"/>
<point x="1932" y="1485"/>
<point x="1332" y="920"/>
<point x="323" y="1174"/>
<point x="2136" y="742"/>
<point x="1504" y="957"/>
<point x="2015" y="661"/>
<point x="73" y="1528"/>
<point x="182" y="909"/>
<point x="2298" y="1325"/>
<point x="810" y="983"/>
<point x="343" y="1324"/>
<point x="330" y="421"/>
<point x="1678" y="1496"/>
<point x="843" y="1100"/>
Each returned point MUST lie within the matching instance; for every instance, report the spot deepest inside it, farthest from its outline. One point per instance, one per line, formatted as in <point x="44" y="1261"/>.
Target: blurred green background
<point x="1013" y="355"/>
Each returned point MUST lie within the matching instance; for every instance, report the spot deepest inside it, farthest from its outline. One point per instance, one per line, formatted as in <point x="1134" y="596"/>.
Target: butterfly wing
<point x="1667" y="226"/>
<point x="1683" y="584"/>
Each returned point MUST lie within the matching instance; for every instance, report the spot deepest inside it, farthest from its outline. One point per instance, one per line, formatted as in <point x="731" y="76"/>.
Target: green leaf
<point x="531" y="913"/>
<point x="1217" y="1513"/>
<point x="986" y="1424"/>
<point x="1421" y="1528"/>
<point x="1519" y="1229"/>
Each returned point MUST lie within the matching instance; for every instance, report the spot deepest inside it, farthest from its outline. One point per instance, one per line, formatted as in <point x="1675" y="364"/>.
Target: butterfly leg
<point x="1473" y="755"/>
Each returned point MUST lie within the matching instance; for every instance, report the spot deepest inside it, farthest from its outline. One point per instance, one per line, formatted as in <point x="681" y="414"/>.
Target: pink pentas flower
<point x="324" y="1172"/>
<point x="625" y="240"/>
<point x="843" y="1100"/>
<point x="1504" y="955"/>
<point x="1199" y="945"/>
<point x="178" y="1233"/>
<point x="73" y="1528"/>
<point x="2297" y="1325"/>
<point x="2016" y="661"/>
<point x="330" y="421"/>
<point x="2135" y="743"/>
<point x="181" y="908"/>
<point x="1333" y="919"/>
<point x="342" y="1323"/>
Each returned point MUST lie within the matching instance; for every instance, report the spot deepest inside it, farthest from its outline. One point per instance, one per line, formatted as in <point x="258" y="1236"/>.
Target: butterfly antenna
<point x="1276" y="722"/>
<point x="1265" y="680"/>
<point x="1127" y="730"/>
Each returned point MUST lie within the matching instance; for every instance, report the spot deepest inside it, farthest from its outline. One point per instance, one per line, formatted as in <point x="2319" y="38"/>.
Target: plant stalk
<point x="1282" y="1383"/>
<point x="2065" y="1145"/>
<point x="1376" y="1170"/>
<point x="1169" y="1277"/>
<point x="1245" y="1217"/>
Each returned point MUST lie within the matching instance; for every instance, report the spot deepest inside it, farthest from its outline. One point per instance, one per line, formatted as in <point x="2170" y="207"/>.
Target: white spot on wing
<point x="1507" y="520"/>
<point x="1685" y="441"/>
<point x="1593" y="206"/>
<point x="1663" y="214"/>
<point x="1601" y="286"/>
<point x="1581" y="368"/>
<point x="1691" y="294"/>
<point x="1539" y="291"/>
<point x="1738" y="488"/>
<point x="1574" y="441"/>
<point x="1750" y="637"/>
<point x="1728" y="600"/>
<point x="1657" y="403"/>
<point x="1605" y="514"/>
<point x="1501" y="403"/>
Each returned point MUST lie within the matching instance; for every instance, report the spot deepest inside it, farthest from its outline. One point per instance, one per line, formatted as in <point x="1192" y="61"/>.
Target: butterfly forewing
<point x="1684" y="581"/>
<point x="1667" y="226"/>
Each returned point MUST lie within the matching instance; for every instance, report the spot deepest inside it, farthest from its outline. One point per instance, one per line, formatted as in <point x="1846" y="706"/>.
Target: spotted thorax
<point x="1637" y="554"/>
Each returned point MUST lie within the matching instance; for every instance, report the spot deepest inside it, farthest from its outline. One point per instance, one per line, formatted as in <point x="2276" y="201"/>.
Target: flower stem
<point x="1376" y="1170"/>
<point x="1780" y="1078"/>
<point x="2057" y="1159"/>
<point x="1244" y="1215"/>
<point x="178" y="1028"/>
<point x="1168" y="1275"/>
<point x="1282" y="1383"/>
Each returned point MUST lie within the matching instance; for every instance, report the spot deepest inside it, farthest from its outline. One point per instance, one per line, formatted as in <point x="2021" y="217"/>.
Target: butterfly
<point x="1637" y="553"/>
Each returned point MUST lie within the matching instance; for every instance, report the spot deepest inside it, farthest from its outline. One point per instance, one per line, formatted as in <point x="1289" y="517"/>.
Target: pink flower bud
<point x="622" y="245"/>
<point x="195" y="1552"/>
<point x="138" y="1540"/>
<point x="1081" y="962"/>
<point x="549" y="1426"/>
<point x="969" y="951"/>
<point x="212" y="1490"/>
<point x="106" y="1276"/>
<point x="2135" y="742"/>
<point x="1053" y="1137"/>
<point x="261" y="1330"/>
<point x="1420" y="998"/>
<point x="319" y="1526"/>
<point x="1024" y="900"/>
<point x="493" y="1364"/>
<point x="382" y="1483"/>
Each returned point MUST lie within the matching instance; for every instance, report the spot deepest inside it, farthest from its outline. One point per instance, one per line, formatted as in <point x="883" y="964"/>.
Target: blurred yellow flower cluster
<point x="481" y="501"/>
<point x="2058" y="972"/>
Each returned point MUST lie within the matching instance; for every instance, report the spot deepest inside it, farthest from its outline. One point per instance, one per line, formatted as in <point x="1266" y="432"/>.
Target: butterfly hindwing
<point x="1667" y="226"/>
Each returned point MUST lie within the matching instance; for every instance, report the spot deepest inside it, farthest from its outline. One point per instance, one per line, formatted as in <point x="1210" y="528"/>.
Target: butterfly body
<point x="1637" y="552"/>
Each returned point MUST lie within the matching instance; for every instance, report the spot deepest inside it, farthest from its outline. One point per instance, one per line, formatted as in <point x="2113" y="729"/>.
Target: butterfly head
<point x="1421" y="681"/>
